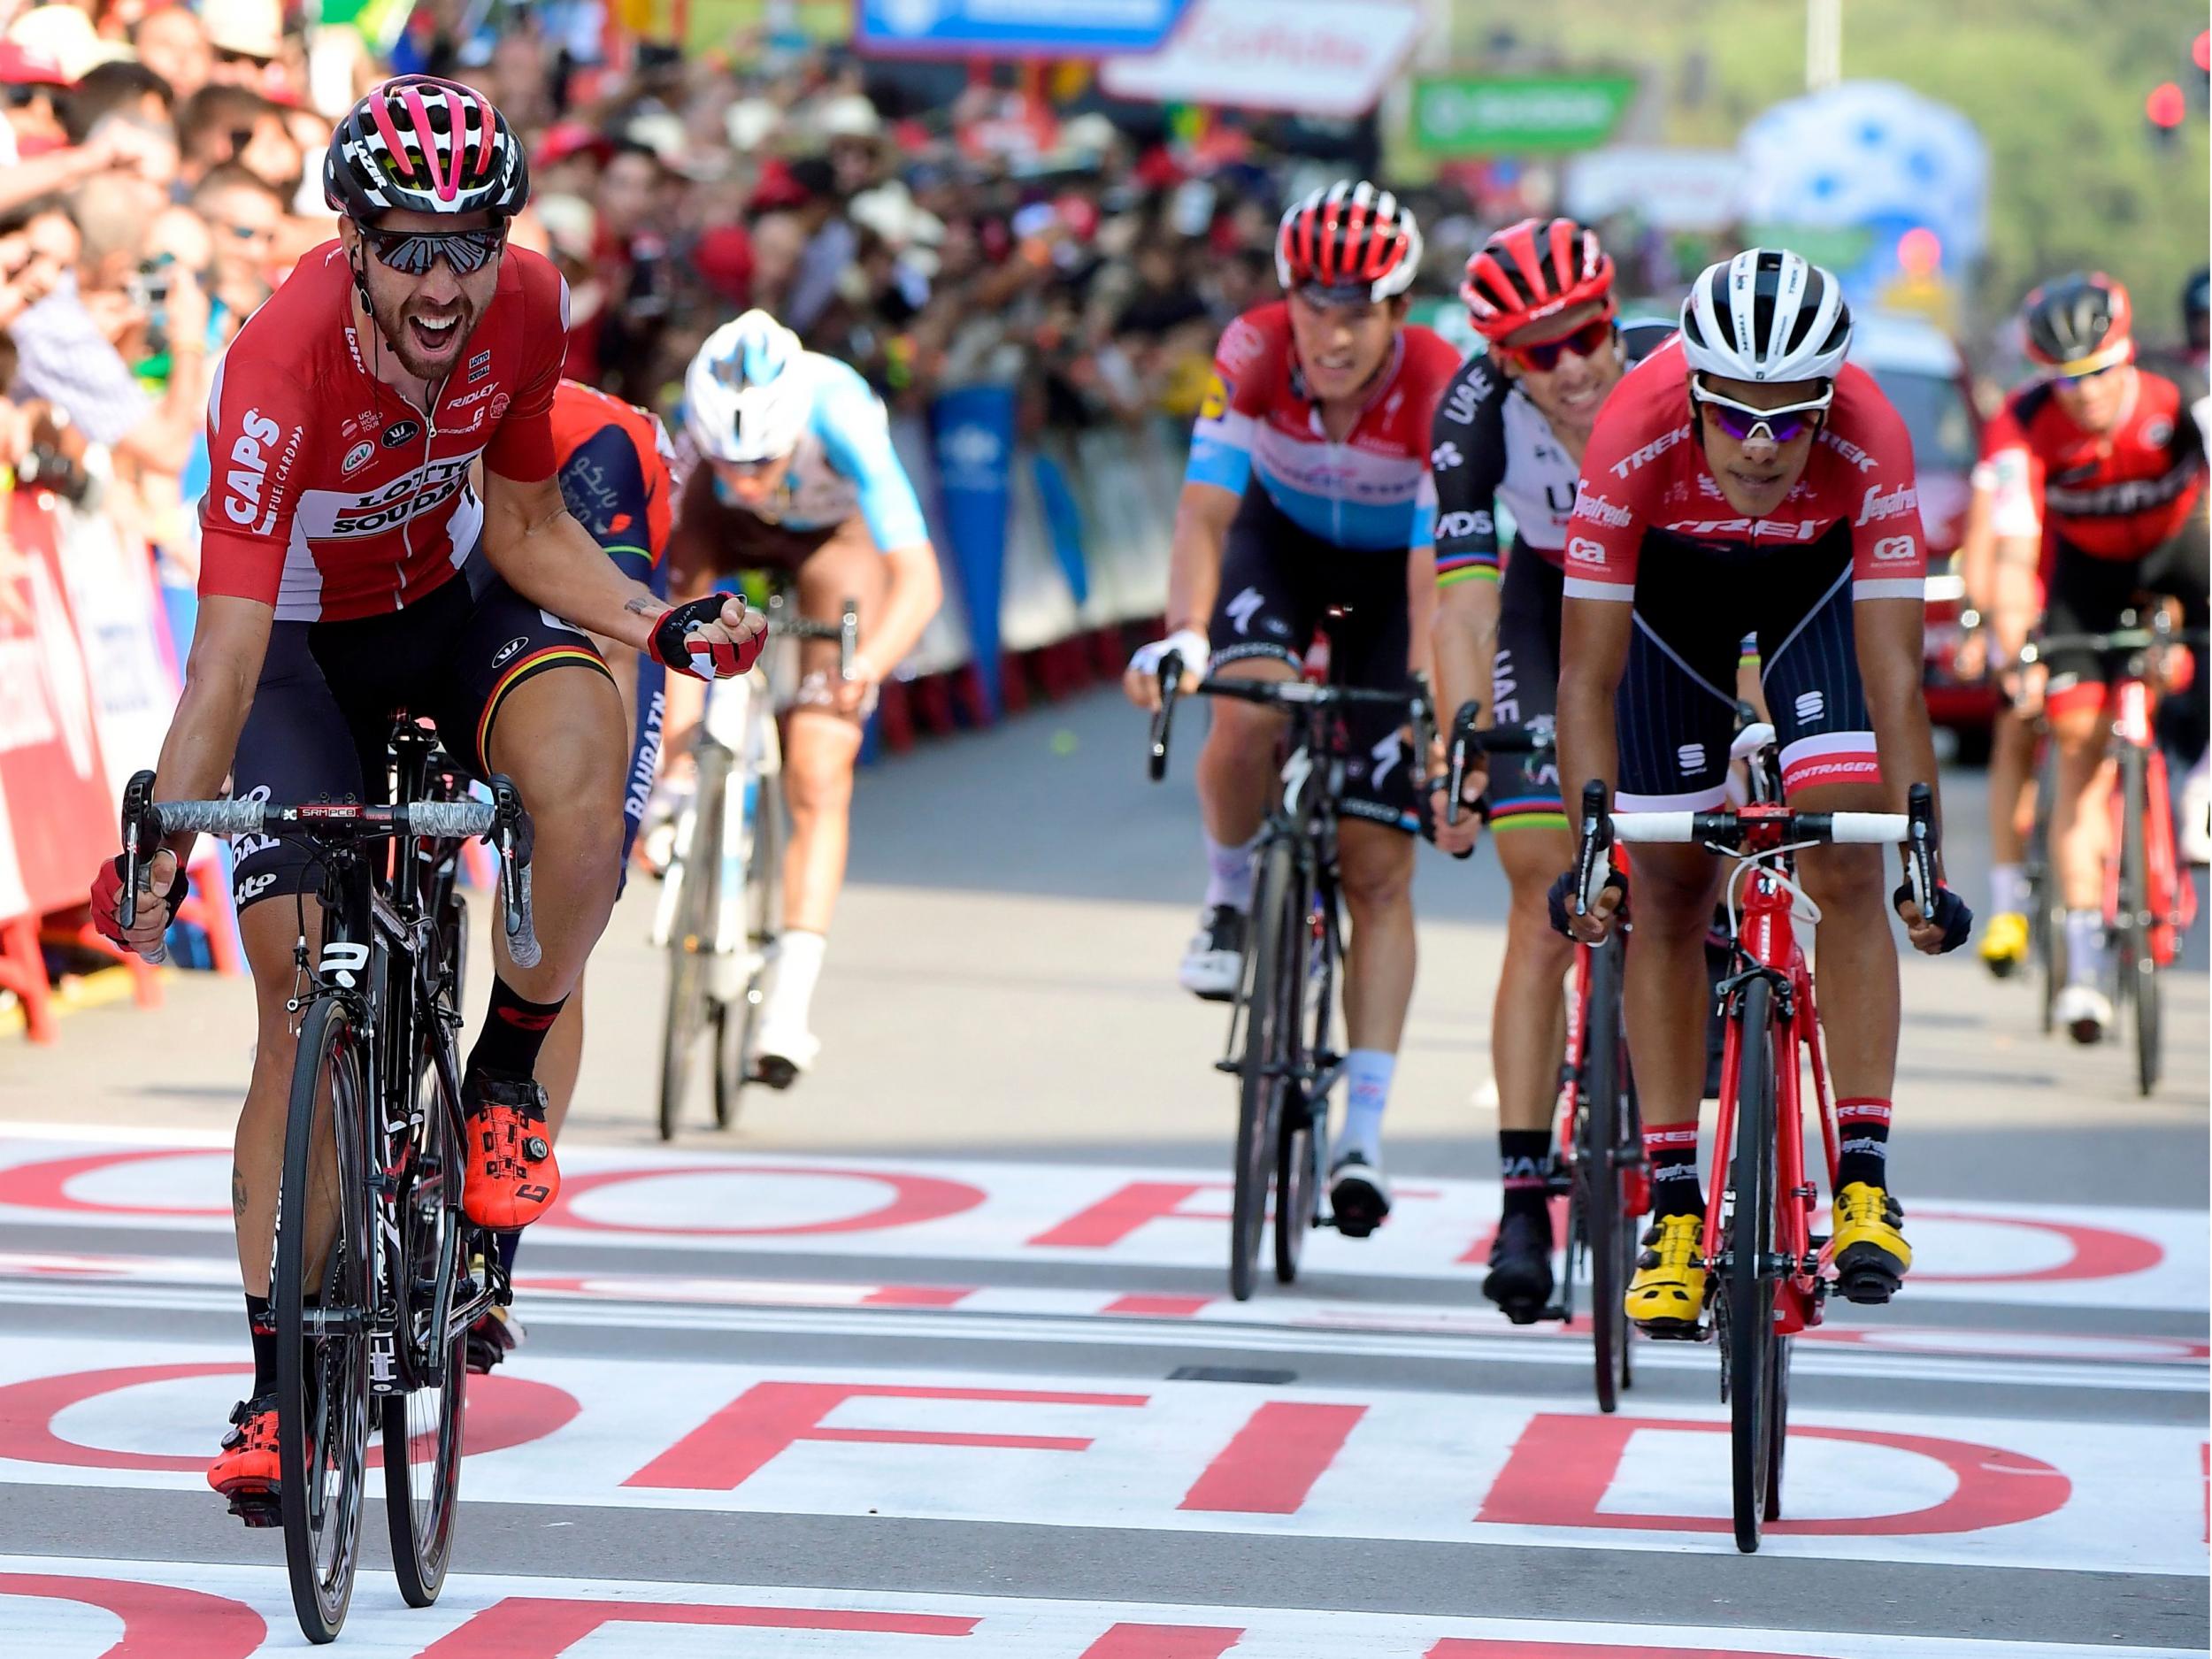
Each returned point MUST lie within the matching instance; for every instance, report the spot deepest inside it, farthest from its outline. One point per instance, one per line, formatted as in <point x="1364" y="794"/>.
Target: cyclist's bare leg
<point x="1378" y="868"/>
<point x="2011" y="779"/>
<point x="820" y="749"/>
<point x="268" y="930"/>
<point x="1237" y="768"/>
<point x="1664" y="989"/>
<point x="1528" y="1026"/>
<point x="2080" y="829"/>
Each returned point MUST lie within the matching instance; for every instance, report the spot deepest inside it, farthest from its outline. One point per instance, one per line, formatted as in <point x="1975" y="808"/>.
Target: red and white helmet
<point x="1533" y="270"/>
<point x="1352" y="237"/>
<point x="426" y="146"/>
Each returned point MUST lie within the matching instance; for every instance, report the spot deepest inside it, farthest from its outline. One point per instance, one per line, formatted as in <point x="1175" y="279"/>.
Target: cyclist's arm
<point x="1889" y="605"/>
<point x="1605" y="539"/>
<point x="2015" y="526"/>
<point x="1467" y="459"/>
<point x="855" y="435"/>
<point x="1421" y="587"/>
<point x="1219" y="472"/>
<point x="1203" y="515"/>
<point x="228" y="642"/>
<point x="545" y="555"/>
<point x="1593" y="636"/>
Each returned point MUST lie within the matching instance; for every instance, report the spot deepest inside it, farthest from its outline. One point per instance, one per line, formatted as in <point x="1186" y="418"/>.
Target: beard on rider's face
<point x="425" y="335"/>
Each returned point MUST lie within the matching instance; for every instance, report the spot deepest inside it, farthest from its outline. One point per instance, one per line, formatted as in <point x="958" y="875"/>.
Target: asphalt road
<point x="934" y="1355"/>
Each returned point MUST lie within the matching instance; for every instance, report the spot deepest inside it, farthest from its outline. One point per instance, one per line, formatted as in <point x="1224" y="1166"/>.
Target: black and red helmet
<point x="1533" y="270"/>
<point x="426" y="146"/>
<point x="2079" y="324"/>
<point x="1350" y="237"/>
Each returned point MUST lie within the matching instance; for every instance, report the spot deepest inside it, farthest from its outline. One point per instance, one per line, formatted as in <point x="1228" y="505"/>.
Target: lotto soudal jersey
<point x="1645" y="473"/>
<point x="1370" y="492"/>
<point x="1492" y="447"/>
<point x="2115" y="495"/>
<point x="331" y="496"/>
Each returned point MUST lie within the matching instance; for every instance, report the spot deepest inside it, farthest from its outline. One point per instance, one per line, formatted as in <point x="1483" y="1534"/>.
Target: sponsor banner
<point x="1011" y="29"/>
<point x="953" y="1211"/>
<point x="1330" y="59"/>
<point x="974" y="437"/>
<point x="71" y="1609"/>
<point x="119" y="623"/>
<point x="1065" y="1450"/>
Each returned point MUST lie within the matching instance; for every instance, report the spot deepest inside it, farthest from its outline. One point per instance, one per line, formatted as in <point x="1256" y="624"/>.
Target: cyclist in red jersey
<point x="350" y="568"/>
<point x="1747" y="480"/>
<point x="1309" y="488"/>
<point x="2098" y="484"/>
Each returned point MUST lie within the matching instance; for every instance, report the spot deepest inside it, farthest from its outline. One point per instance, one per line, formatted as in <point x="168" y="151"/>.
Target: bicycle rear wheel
<point x="1269" y="1011"/>
<point x="322" y="1295"/>
<point x="737" y="1022"/>
<point x="422" y="1427"/>
<point x="1606" y="1160"/>
<point x="2137" y="962"/>
<point x="691" y="941"/>
<point x="1300" y="1144"/>
<point x="1747" y="1292"/>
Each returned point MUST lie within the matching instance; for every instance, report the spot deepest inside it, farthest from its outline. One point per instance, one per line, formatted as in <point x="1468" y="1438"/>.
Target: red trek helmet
<point x="1533" y="270"/>
<point x="1352" y="238"/>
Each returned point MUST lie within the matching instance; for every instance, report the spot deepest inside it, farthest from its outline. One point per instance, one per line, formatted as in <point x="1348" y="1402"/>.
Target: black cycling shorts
<point x="1676" y="711"/>
<point x="1277" y="580"/>
<point x="1524" y="691"/>
<point x="322" y="713"/>
<point x="2087" y="594"/>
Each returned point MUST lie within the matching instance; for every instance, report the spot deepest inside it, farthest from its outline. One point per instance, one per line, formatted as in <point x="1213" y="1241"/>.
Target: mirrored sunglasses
<point x="412" y="253"/>
<point x="1744" y="422"/>
<point x="1593" y="337"/>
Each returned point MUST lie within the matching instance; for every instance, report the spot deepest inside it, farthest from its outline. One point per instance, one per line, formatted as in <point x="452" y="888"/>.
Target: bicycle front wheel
<point x="1301" y="1145"/>
<point x="422" y="1426"/>
<point x="1746" y="1291"/>
<point x="1606" y="1168"/>
<point x="736" y="1023"/>
<point x="2138" y="962"/>
<point x="1269" y="1017"/>
<point x="691" y="941"/>
<point x="322" y="1295"/>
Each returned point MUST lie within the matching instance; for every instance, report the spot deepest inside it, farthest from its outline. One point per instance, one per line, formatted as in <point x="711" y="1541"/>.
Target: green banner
<point x="1477" y="115"/>
<point x="1841" y="248"/>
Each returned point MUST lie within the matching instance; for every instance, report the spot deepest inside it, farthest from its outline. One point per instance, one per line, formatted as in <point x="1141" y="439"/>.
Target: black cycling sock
<point x="514" y="1031"/>
<point x="1862" y="1143"/>
<point x="1671" y="1154"/>
<point x="261" y="1320"/>
<point x="1524" y="1159"/>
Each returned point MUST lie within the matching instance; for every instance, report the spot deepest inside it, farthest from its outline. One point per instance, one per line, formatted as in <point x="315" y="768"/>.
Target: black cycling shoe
<point x="495" y="1334"/>
<point x="1519" y="1281"/>
<point x="1358" y="1197"/>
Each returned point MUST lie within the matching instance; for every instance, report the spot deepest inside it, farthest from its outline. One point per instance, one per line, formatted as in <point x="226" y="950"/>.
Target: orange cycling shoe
<point x="245" y="1471"/>
<point x="512" y="1177"/>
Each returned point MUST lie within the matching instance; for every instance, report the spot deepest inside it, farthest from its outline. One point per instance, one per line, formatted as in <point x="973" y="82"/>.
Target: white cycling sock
<point x="798" y="966"/>
<point x="1367" y="1073"/>
<point x="1229" y="875"/>
<point x="2007" y="890"/>
<point x="2085" y="947"/>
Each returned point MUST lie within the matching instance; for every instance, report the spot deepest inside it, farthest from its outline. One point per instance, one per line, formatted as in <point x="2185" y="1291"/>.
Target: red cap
<point x="20" y="66"/>
<point x="724" y="260"/>
<point x="565" y="139"/>
<point x="777" y="189"/>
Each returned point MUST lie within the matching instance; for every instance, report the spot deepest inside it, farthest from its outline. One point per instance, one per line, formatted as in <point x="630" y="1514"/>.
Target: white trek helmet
<point x="1766" y="315"/>
<point x="745" y="398"/>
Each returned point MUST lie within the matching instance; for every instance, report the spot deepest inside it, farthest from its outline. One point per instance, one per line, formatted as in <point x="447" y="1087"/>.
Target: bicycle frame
<point x="1766" y="945"/>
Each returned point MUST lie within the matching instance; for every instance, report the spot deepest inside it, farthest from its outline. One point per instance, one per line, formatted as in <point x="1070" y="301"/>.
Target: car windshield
<point x="1936" y="415"/>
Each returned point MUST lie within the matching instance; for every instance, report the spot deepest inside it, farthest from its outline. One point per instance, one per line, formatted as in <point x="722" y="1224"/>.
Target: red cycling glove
<point x="675" y="645"/>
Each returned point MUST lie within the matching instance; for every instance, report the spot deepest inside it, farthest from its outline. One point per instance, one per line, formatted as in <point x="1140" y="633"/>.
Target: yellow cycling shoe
<point x="2005" y="943"/>
<point x="1668" y="1292"/>
<point x="1871" y="1256"/>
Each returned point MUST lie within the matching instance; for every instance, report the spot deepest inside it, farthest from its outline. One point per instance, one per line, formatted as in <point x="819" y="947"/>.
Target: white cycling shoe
<point x="1213" y="964"/>
<point x="782" y="1051"/>
<point x="1359" y="1198"/>
<point x="2196" y="815"/>
<point x="2084" y="1010"/>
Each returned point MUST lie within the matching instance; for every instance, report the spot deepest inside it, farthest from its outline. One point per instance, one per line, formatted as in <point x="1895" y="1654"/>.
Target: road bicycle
<point x="371" y="1283"/>
<point x="2148" y="898"/>
<point x="1597" y="1162"/>
<point x="1767" y="1272"/>
<point x="721" y="896"/>
<point x="1281" y="1047"/>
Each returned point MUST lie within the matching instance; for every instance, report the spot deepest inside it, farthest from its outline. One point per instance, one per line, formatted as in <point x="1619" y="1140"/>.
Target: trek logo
<point x="510" y="649"/>
<point x="1849" y="451"/>
<point x="1637" y="459"/>
<point x="1894" y="550"/>
<point x="1601" y="511"/>
<point x="248" y="471"/>
<point x="1757" y="529"/>
<point x="401" y="431"/>
<point x="1888" y="504"/>
<point x="1455" y="526"/>
<point x="357" y="457"/>
<point x="1582" y="550"/>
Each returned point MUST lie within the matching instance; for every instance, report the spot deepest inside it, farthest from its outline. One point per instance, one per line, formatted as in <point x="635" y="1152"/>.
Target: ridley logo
<point x="401" y="431"/>
<point x="463" y="401"/>
<point x="357" y="457"/>
<point x="510" y="649"/>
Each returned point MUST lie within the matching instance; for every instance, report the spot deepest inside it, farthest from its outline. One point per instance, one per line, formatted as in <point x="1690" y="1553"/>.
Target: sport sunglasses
<point x="412" y="253"/>
<point x="1743" y="422"/>
<point x="1593" y="337"/>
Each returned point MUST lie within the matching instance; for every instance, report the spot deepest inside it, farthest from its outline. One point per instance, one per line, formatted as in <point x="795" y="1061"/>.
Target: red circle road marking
<point x="159" y="1621"/>
<point x="516" y="1412"/>
<point x="45" y="1186"/>
<point x="2098" y="1252"/>
<point x="914" y="1200"/>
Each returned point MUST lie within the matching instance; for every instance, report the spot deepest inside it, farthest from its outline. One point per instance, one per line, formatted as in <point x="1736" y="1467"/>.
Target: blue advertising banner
<point x="973" y="427"/>
<point x="1013" y="28"/>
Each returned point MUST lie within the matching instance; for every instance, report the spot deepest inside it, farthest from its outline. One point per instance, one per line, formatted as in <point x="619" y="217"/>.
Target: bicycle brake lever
<point x="1592" y="866"/>
<point x="1170" y="687"/>
<point x="1920" y="859"/>
<point x="138" y="796"/>
<point x="1462" y="736"/>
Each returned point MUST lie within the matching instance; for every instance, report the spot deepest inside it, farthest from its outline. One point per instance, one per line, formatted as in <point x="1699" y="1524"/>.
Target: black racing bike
<point x="374" y="1284"/>
<point x="1282" y="1048"/>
